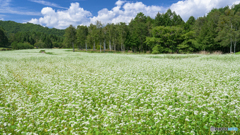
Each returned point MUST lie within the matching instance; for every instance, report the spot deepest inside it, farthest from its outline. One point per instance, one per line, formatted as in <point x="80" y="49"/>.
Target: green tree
<point x="82" y="32"/>
<point x="139" y="31"/>
<point x="159" y="20"/>
<point x="165" y="38"/>
<point x="228" y="29"/>
<point x="70" y="36"/>
<point x="189" y="24"/>
<point x="39" y="44"/>
<point x="48" y="43"/>
<point x="3" y="38"/>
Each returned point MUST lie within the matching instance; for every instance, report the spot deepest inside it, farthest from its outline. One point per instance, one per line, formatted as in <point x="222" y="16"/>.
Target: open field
<point x="91" y="93"/>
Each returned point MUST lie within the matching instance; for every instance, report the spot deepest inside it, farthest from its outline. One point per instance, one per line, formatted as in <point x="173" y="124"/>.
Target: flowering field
<point x="80" y="93"/>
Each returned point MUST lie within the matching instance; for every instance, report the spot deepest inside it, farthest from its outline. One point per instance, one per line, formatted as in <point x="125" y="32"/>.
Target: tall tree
<point x="228" y="28"/>
<point x="82" y="32"/>
<point x="3" y="38"/>
<point x="139" y="31"/>
<point x="122" y="31"/>
<point x="70" y="36"/>
<point x="159" y="20"/>
<point x="99" y="33"/>
<point x="189" y="24"/>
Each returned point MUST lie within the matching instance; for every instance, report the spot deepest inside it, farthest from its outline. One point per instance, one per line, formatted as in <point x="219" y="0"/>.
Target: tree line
<point x="29" y="40"/>
<point x="167" y="33"/>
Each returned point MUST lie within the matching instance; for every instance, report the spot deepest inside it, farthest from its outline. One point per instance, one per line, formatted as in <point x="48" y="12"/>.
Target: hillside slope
<point x="14" y="27"/>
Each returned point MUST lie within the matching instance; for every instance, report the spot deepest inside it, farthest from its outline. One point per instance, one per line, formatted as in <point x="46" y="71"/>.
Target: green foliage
<point x="156" y="49"/>
<point x="81" y="35"/>
<point x="98" y="47"/>
<point x="42" y="51"/>
<point x="167" y="37"/>
<point x="48" y="43"/>
<point x="3" y="38"/>
<point x="39" y="44"/>
<point x="70" y="36"/>
<point x="19" y="46"/>
<point x="13" y="27"/>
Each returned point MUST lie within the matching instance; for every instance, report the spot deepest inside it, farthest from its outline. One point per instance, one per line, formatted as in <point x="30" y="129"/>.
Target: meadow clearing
<point x="91" y="93"/>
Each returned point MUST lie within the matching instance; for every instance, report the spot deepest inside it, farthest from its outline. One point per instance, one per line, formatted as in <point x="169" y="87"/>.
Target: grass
<point x="93" y="93"/>
<point x="174" y="56"/>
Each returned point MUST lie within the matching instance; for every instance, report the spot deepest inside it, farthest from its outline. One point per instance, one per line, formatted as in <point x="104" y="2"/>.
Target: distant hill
<point x="14" y="27"/>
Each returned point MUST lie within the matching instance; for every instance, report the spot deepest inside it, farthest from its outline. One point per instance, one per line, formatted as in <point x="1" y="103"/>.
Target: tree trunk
<point x="121" y="46"/>
<point x="110" y="45"/>
<point x="73" y="47"/>
<point x="235" y="42"/>
<point x="86" y="46"/>
<point x="231" y="42"/>
<point x="104" y="45"/>
<point x="100" y="47"/>
<point x="231" y="47"/>
<point x="114" y="45"/>
<point x="94" y="46"/>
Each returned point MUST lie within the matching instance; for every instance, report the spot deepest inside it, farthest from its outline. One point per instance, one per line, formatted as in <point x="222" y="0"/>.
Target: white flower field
<point x="100" y="93"/>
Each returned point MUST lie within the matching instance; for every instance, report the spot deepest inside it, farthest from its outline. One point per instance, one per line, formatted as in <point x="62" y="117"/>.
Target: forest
<point x="219" y="30"/>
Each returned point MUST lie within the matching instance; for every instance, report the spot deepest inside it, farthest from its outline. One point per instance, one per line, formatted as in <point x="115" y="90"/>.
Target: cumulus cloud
<point x="78" y="16"/>
<point x="198" y="8"/>
<point x="129" y="10"/>
<point x="46" y="3"/>
<point x="61" y="19"/>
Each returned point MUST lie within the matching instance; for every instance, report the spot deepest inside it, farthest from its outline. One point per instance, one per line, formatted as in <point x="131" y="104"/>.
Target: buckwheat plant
<point x="82" y="93"/>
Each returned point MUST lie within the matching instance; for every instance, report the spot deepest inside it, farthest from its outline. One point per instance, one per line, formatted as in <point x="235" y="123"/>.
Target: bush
<point x="14" y="45"/>
<point x="237" y="53"/>
<point x="155" y="49"/>
<point x="24" y="45"/>
<point x="98" y="47"/>
<point x="55" y="44"/>
<point x="42" y="51"/>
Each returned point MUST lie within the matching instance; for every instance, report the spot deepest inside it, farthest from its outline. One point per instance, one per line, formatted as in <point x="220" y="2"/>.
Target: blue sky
<point x="61" y="13"/>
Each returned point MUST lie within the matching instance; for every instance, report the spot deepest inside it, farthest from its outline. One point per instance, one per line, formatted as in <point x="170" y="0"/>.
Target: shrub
<point x="24" y="45"/>
<point x="42" y="51"/>
<point x="155" y="49"/>
<point x="14" y="45"/>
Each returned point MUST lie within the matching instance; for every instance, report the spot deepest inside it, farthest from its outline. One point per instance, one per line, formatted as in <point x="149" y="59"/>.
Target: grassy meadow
<point x="62" y="92"/>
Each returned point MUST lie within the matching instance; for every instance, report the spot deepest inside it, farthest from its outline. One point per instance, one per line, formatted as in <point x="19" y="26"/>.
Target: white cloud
<point x="46" y="3"/>
<point x="6" y="8"/>
<point x="78" y="16"/>
<point x="61" y="19"/>
<point x="198" y="8"/>
<point x="129" y="10"/>
<point x="124" y="11"/>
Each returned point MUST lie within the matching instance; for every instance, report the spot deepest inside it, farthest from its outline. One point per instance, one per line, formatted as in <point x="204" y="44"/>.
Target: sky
<point x="62" y="13"/>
